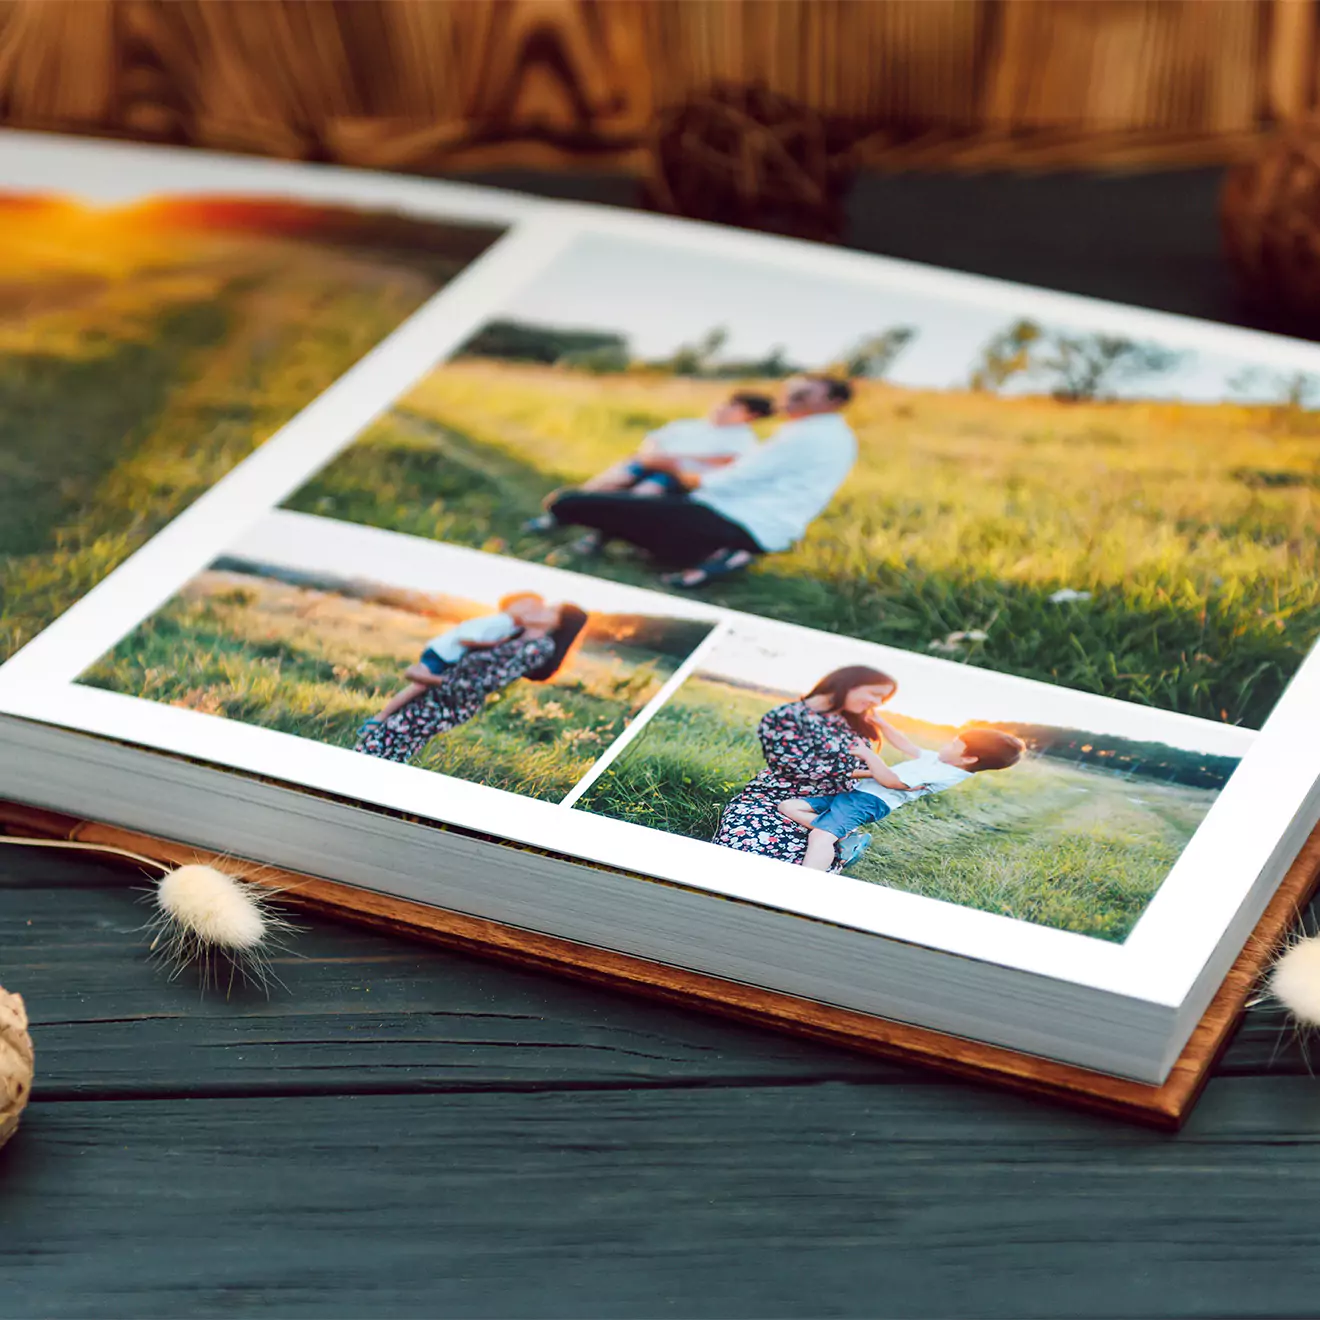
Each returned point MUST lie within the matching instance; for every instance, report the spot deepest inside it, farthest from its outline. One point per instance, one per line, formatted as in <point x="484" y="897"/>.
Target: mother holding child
<point x="461" y="668"/>
<point x="825" y="778"/>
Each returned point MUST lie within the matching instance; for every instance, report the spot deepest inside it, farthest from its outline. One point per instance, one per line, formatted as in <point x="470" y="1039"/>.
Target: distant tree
<point x="1007" y="355"/>
<point x="1073" y="368"/>
<point x="708" y="348"/>
<point x="873" y="356"/>
<point x="520" y="341"/>
<point x="1291" y="395"/>
<point x="696" y="359"/>
<point x="774" y="366"/>
<point x="1128" y="757"/>
<point x="1083" y="367"/>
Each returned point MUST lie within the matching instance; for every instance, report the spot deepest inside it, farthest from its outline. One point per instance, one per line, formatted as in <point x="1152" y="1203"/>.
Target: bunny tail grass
<point x="223" y="925"/>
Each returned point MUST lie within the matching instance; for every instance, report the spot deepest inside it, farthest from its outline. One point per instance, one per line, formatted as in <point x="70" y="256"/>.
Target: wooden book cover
<point x="1164" y="1106"/>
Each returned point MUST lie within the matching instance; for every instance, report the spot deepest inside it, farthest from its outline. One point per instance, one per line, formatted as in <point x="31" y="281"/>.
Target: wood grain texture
<point x="1166" y="1105"/>
<point x="465" y="84"/>
<point x="840" y="1199"/>
<point x="354" y="1010"/>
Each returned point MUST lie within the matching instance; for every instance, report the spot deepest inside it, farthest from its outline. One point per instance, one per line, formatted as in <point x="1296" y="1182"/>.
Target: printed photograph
<point x="928" y="777"/>
<point x="147" y="346"/>
<point x="939" y="475"/>
<point x="513" y="676"/>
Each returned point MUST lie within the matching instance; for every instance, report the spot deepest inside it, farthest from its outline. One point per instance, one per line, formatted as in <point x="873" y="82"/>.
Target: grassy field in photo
<point x="143" y="355"/>
<point x="1195" y="528"/>
<point x="316" y="664"/>
<point x="1059" y="845"/>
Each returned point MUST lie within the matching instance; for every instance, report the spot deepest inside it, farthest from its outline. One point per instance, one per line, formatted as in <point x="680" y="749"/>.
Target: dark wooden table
<point x="406" y="1132"/>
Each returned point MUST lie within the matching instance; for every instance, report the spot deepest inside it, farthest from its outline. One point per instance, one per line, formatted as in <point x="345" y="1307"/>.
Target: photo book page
<point x="967" y="614"/>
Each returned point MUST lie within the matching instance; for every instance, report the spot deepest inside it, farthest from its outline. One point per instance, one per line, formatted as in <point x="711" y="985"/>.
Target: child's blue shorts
<point x="434" y="662"/>
<point x="845" y="812"/>
<point x="638" y="471"/>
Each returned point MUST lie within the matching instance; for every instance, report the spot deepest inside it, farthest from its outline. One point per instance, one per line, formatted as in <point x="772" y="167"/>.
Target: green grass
<point x="1044" y="842"/>
<point x="126" y="395"/>
<point x="316" y="664"/>
<point x="965" y="512"/>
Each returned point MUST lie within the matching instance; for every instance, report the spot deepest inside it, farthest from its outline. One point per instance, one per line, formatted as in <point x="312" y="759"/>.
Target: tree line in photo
<point x="1069" y="367"/>
<point x="1125" y="756"/>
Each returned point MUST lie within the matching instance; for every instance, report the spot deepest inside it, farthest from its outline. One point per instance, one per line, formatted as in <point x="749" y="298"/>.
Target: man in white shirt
<point x="758" y="504"/>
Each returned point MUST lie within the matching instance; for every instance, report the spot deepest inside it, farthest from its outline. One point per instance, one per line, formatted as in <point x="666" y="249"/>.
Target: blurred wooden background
<point x="446" y="85"/>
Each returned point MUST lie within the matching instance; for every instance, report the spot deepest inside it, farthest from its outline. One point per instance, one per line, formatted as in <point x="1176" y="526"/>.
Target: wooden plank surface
<point x="356" y="1010"/>
<point x="406" y="1131"/>
<point x="1164" y="1106"/>
<point x="838" y="1199"/>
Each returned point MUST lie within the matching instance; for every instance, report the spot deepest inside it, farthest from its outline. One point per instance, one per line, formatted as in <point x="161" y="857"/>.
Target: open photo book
<point x="914" y="659"/>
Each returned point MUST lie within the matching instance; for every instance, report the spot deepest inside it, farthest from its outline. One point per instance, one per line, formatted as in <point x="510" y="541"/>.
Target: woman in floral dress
<point x="459" y="693"/>
<point x="810" y="751"/>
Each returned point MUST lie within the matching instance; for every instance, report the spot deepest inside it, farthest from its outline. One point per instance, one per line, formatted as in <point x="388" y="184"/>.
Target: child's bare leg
<point x="400" y="699"/>
<point x="798" y="812"/>
<point x="820" y="851"/>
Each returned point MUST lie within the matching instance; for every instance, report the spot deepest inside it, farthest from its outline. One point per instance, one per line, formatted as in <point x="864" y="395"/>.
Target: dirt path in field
<point x="1097" y="802"/>
<point x="481" y="461"/>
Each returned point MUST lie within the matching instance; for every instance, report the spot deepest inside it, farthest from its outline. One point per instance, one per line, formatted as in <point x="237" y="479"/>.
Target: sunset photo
<point x="170" y="336"/>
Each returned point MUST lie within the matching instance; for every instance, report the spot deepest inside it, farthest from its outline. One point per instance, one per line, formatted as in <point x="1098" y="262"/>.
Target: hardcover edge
<point x="1164" y="1106"/>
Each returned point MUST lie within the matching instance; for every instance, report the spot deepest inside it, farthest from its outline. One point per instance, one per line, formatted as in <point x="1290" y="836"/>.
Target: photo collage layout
<point x="921" y="593"/>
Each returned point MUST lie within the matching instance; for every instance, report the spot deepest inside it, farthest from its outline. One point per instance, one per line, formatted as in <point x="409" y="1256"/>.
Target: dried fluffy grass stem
<point x="216" y="921"/>
<point x="203" y="916"/>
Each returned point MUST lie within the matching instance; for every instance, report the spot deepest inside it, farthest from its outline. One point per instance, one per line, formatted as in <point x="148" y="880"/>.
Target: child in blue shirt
<point x="674" y="455"/>
<point x="882" y="789"/>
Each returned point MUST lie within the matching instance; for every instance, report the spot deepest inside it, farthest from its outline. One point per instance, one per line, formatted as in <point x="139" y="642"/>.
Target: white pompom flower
<point x="202" y="916"/>
<point x="1295" y="981"/>
<point x="216" y="921"/>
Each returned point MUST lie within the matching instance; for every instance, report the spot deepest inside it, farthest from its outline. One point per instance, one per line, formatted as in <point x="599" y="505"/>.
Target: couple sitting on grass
<point x="825" y="779"/>
<point x="462" y="667"/>
<point x="704" y="498"/>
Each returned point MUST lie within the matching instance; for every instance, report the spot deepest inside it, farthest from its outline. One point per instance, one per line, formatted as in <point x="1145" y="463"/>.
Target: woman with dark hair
<point x="460" y="692"/>
<point x="812" y="746"/>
